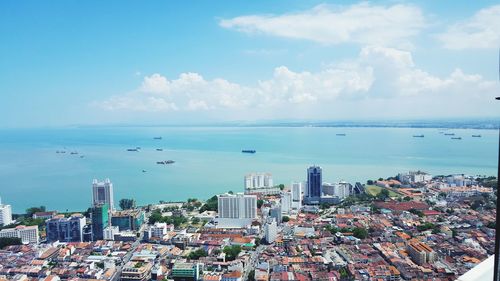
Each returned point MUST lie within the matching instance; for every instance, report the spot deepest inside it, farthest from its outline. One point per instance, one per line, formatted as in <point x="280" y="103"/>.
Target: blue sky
<point x="158" y="62"/>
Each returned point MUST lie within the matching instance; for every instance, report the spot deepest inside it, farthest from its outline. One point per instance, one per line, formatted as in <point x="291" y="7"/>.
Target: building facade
<point x="314" y="182"/>
<point x="296" y="189"/>
<point x="27" y="234"/>
<point x="64" y="229"/>
<point x="102" y="193"/>
<point x="100" y="220"/>
<point x="5" y="214"/>
<point x="237" y="206"/>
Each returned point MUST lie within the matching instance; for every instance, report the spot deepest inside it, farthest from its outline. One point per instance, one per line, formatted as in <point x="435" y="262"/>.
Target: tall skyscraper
<point x="5" y="214"/>
<point x="314" y="180"/>
<point x="237" y="206"/>
<point x="296" y="195"/>
<point x="102" y="193"/>
<point x="64" y="229"/>
<point x="100" y="220"/>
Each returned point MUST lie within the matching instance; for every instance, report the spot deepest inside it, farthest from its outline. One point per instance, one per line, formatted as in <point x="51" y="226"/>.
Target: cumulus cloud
<point x="481" y="31"/>
<point x="362" y="23"/>
<point x="379" y="75"/>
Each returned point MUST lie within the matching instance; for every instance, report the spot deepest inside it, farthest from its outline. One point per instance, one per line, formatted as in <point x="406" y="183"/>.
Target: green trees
<point x="157" y="217"/>
<point x="126" y="204"/>
<point x="384" y="194"/>
<point x="232" y="252"/>
<point x="32" y="210"/>
<point x="211" y="204"/>
<point x="8" y="241"/>
<point x="360" y="233"/>
<point x="285" y="219"/>
<point x="260" y="202"/>
<point x="194" y="255"/>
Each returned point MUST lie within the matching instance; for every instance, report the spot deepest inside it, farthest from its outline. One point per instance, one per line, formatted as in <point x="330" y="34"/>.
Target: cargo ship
<point x="248" y="151"/>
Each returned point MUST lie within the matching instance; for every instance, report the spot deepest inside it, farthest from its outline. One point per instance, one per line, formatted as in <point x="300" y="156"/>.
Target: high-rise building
<point x="275" y="212"/>
<point x="27" y="234"/>
<point x="64" y="229"/>
<point x="102" y="193"/>
<point x="270" y="231"/>
<point x="314" y="181"/>
<point x="260" y="183"/>
<point x="5" y="214"/>
<point x="258" y="180"/>
<point x="296" y="195"/>
<point x="286" y="202"/>
<point x="100" y="220"/>
<point x="237" y="206"/>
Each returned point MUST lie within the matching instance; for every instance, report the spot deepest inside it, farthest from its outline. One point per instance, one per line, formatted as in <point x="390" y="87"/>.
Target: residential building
<point x="5" y="214"/>
<point x="286" y="202"/>
<point x="44" y="215"/>
<point x="275" y="212"/>
<point x="258" y="180"/>
<point x="100" y="220"/>
<point x="296" y="189"/>
<point x="270" y="231"/>
<point x="102" y="193"/>
<point x="109" y="232"/>
<point x="232" y="276"/>
<point x="237" y="206"/>
<point x="64" y="229"/>
<point x="421" y="253"/>
<point x="136" y="271"/>
<point x="27" y="234"/>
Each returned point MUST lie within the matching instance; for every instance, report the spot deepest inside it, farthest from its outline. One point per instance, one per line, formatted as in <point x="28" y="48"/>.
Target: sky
<point x="66" y="63"/>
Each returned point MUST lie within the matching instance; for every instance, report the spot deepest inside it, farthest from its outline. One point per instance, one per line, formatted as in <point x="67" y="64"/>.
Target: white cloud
<point x="362" y="23"/>
<point x="481" y="31"/>
<point x="378" y="76"/>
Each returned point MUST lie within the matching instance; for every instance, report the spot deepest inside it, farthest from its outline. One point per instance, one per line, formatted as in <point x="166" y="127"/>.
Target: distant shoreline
<point x="480" y="124"/>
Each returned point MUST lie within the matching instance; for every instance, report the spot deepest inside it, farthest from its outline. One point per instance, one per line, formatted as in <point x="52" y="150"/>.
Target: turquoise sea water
<point x="209" y="159"/>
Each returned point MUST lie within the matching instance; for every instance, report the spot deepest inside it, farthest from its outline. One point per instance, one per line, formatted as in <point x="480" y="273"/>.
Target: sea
<point x="209" y="161"/>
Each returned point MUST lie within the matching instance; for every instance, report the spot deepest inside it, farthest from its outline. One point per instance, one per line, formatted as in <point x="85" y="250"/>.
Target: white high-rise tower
<point x="102" y="193"/>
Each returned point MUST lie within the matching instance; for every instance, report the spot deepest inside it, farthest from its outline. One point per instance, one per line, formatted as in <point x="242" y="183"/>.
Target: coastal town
<point x="412" y="226"/>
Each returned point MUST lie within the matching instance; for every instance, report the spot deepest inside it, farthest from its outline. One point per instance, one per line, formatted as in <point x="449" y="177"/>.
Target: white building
<point x="5" y="214"/>
<point x="459" y="180"/>
<point x="270" y="231"/>
<point x="110" y="231"/>
<point x="296" y="190"/>
<point x="414" y="177"/>
<point x="341" y="190"/>
<point x="102" y="193"/>
<point x="159" y="229"/>
<point x="286" y="202"/>
<point x="27" y="234"/>
<point x="237" y="206"/>
<point x="258" y="180"/>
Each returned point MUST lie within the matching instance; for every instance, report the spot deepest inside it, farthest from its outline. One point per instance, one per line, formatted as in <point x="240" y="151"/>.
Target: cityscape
<point x="413" y="226"/>
<point x="234" y="140"/>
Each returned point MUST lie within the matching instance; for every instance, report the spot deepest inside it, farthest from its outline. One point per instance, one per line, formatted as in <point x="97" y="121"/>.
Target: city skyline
<point x="216" y="62"/>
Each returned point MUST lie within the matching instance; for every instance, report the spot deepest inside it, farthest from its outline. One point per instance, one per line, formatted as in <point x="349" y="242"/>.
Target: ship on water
<point x="456" y="138"/>
<point x="418" y="136"/>
<point x="159" y="149"/>
<point x="449" y="134"/>
<point x="157" y="138"/>
<point x="248" y="151"/>
<point x="476" y="136"/>
<point x="132" y="149"/>
<point x="165" y="162"/>
<point x="341" y="135"/>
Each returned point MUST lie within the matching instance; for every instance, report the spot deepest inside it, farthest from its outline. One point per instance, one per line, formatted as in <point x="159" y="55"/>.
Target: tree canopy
<point x="126" y="204"/>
